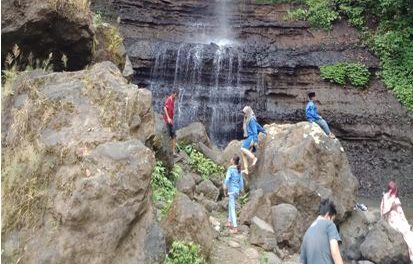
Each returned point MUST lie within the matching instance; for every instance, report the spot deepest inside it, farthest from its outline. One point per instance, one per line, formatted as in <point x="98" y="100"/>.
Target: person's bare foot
<point x="234" y="230"/>
<point x="228" y="224"/>
<point x="254" y="162"/>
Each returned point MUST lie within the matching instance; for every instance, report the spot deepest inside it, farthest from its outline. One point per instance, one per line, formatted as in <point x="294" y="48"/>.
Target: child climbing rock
<point x="313" y="116"/>
<point x="233" y="185"/>
<point x="251" y="129"/>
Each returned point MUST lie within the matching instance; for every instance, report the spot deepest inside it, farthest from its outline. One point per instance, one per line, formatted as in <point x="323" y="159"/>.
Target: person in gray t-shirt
<point x="320" y="242"/>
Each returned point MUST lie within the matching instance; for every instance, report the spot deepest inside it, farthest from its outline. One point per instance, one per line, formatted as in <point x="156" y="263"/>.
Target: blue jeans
<point x="232" y="215"/>
<point x="323" y="124"/>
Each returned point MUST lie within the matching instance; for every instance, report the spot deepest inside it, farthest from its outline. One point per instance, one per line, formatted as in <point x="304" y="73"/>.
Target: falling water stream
<point x="206" y="71"/>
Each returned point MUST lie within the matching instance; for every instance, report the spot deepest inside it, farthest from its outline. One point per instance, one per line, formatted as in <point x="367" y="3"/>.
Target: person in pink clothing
<point x="392" y="212"/>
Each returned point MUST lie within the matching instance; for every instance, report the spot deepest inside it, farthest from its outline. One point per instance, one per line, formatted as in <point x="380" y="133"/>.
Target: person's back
<point x="234" y="180"/>
<point x="320" y="242"/>
<point x="315" y="248"/>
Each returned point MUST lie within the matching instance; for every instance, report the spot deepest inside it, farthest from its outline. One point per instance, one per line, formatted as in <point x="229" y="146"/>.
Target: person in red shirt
<point x="168" y="116"/>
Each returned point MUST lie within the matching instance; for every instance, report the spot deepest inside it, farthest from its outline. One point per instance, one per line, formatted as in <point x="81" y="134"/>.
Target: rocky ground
<point x="79" y="151"/>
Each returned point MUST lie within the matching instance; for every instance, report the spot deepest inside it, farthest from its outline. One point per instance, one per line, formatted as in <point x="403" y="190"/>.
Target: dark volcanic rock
<point x="271" y="65"/>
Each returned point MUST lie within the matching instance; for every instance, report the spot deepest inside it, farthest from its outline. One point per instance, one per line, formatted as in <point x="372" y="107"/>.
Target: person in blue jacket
<point x="313" y="116"/>
<point x="233" y="185"/>
<point x="251" y="130"/>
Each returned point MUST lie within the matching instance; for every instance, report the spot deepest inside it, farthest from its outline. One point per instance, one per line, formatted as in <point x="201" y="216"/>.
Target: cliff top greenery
<point x="387" y="27"/>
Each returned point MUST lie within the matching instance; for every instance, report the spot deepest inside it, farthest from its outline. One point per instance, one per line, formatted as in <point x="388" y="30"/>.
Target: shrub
<point x="184" y="253"/>
<point x="163" y="189"/>
<point x="204" y="166"/>
<point x="319" y="13"/>
<point x="354" y="73"/>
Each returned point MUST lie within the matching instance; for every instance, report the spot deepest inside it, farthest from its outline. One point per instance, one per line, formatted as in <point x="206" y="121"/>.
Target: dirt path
<point x="235" y="248"/>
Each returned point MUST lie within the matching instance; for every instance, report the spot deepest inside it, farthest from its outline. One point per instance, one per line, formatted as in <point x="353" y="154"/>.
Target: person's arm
<point x="311" y="111"/>
<point x="241" y="182"/>
<point x="260" y="129"/>
<point x="334" y="238"/>
<point x="335" y="252"/>
<point x="168" y="118"/>
<point x="386" y="205"/>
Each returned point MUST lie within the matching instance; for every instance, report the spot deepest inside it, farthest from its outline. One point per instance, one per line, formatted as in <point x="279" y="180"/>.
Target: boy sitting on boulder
<point x="313" y="116"/>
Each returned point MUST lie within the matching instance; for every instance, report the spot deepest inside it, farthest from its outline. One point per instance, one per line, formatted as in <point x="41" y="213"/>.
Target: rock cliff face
<point x="42" y="27"/>
<point x="225" y="54"/>
<point x="76" y="170"/>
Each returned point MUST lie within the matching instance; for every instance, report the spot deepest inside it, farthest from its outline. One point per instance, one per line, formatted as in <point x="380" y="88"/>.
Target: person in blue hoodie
<point x="251" y="130"/>
<point x="313" y="116"/>
<point x="233" y="185"/>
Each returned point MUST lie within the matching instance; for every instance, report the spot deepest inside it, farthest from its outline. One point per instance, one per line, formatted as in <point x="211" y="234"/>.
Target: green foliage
<point x="244" y="198"/>
<point x="184" y="253"/>
<point x="319" y="13"/>
<point x="355" y="73"/>
<point x="279" y="1"/>
<point x="395" y="49"/>
<point x="97" y="19"/>
<point x="163" y="189"/>
<point x="202" y="165"/>
<point x="391" y="37"/>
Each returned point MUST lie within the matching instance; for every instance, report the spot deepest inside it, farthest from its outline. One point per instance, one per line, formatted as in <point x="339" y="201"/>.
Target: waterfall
<point x="206" y="69"/>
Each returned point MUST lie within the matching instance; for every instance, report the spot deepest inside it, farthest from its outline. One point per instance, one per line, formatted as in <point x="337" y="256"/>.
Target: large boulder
<point x="109" y="46"/>
<point x="384" y="245"/>
<point x="262" y="234"/>
<point x="193" y="133"/>
<point x="162" y="142"/>
<point x="186" y="184"/>
<point x="187" y="220"/>
<point x="353" y="232"/>
<point x="42" y="27"/>
<point x="233" y="148"/>
<point x="257" y="205"/>
<point x="287" y="224"/>
<point x="76" y="171"/>
<point x="298" y="164"/>
<point x="208" y="189"/>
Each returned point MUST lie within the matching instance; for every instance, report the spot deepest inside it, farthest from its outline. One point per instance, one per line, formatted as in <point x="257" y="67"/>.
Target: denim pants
<point x="323" y="124"/>
<point x="232" y="215"/>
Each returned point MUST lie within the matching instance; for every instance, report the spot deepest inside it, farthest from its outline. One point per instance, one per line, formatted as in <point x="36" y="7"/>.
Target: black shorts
<point x="171" y="130"/>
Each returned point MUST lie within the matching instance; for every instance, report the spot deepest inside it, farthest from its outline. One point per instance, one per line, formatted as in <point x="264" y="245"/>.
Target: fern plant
<point x="184" y="253"/>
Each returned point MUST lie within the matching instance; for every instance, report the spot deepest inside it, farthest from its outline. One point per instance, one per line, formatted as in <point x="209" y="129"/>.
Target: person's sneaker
<point x="176" y="155"/>
<point x="332" y="135"/>
<point x="245" y="172"/>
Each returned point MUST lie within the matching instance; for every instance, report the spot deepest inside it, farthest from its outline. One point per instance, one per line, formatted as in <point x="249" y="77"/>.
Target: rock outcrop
<point x="286" y="222"/>
<point x="193" y="133"/>
<point x="76" y="172"/>
<point x="42" y="27"/>
<point x="298" y="164"/>
<point x="187" y="220"/>
<point x="384" y="245"/>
